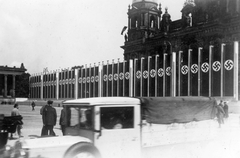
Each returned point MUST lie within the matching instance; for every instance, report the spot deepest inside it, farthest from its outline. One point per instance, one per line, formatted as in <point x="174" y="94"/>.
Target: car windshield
<point x="80" y="117"/>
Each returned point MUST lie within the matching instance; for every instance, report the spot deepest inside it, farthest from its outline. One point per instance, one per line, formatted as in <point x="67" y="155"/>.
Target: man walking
<point x="49" y="117"/>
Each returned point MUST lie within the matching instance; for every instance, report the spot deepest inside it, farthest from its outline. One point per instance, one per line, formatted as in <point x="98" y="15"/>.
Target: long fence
<point x="211" y="71"/>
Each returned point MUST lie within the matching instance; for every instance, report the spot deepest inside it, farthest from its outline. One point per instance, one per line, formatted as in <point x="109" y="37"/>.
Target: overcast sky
<point x="64" y="33"/>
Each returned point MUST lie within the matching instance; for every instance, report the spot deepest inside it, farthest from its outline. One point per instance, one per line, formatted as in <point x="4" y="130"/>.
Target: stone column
<point x="13" y="87"/>
<point x="5" y="85"/>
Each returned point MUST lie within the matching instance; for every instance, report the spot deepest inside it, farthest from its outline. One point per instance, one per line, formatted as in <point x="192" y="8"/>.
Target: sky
<point x="59" y="34"/>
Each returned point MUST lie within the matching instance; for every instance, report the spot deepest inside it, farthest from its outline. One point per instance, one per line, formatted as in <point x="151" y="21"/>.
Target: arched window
<point x="152" y="22"/>
<point x="134" y="22"/>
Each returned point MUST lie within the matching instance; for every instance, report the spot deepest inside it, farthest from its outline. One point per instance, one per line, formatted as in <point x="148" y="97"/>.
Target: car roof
<point x="103" y="101"/>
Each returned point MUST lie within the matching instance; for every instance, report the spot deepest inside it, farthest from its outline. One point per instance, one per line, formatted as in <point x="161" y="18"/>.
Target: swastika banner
<point x="121" y="79"/>
<point x="204" y="77"/>
<point x="168" y="71"/>
<point x="138" y="76"/>
<point x="145" y="77"/>
<point x="184" y="69"/>
<point x="194" y="70"/>
<point x="160" y="74"/>
<point x="115" y="79"/>
<point x="126" y="78"/>
<point x="152" y="76"/>
<point x="216" y="71"/>
<point x="105" y="80"/>
<point x="228" y="70"/>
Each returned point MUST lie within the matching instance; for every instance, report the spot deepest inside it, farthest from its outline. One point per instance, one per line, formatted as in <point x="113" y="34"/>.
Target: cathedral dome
<point x="136" y="1"/>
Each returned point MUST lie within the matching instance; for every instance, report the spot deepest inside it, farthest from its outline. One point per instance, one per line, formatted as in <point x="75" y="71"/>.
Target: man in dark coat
<point x="225" y="108"/>
<point x="49" y="118"/>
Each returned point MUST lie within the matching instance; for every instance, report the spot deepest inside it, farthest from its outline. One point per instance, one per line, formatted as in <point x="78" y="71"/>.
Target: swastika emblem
<point x="105" y="77"/>
<point x="96" y="78"/>
<point x="92" y="79"/>
<point x="228" y="64"/>
<point x="153" y="73"/>
<point x="184" y="69"/>
<point x="216" y="66"/>
<point x="194" y="68"/>
<point x="110" y="77"/>
<point x="80" y="80"/>
<point x="127" y="75"/>
<point x="138" y="74"/>
<point x="160" y="72"/>
<point x="145" y="74"/>
<point x="205" y="67"/>
<point x="88" y="79"/>
<point x="168" y="71"/>
<point x="115" y="77"/>
<point x="84" y="79"/>
<point x="121" y="76"/>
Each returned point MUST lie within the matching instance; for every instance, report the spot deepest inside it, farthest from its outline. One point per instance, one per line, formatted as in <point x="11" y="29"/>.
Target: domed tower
<point x="143" y="19"/>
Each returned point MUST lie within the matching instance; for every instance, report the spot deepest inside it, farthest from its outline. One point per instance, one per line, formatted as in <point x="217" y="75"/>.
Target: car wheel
<point x="82" y="150"/>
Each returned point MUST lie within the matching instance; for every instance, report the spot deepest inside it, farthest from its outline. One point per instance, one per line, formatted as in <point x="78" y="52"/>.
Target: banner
<point x="115" y="79"/>
<point x="152" y="76"/>
<point x="160" y="74"/>
<point x="92" y="80"/>
<point x="184" y="73"/>
<point x="216" y="71"/>
<point x="228" y="70"/>
<point x="204" y="76"/>
<point x="105" y="80"/>
<point x="96" y="81"/>
<point x="80" y="83"/>
<point x="194" y="69"/>
<point x="126" y="78"/>
<point x="121" y="79"/>
<point x="168" y="75"/>
<point x="145" y="76"/>
<point x="84" y="82"/>
<point x="110" y="79"/>
<point x="137" y="78"/>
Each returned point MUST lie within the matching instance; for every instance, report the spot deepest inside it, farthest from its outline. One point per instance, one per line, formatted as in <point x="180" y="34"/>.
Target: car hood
<point x="52" y="141"/>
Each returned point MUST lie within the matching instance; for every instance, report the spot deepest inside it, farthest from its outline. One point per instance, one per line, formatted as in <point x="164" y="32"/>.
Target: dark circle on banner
<point x="92" y="79"/>
<point x="145" y="74"/>
<point x="160" y="72"/>
<point x="205" y="67"/>
<point x="216" y="66"/>
<point x="184" y="69"/>
<point x="110" y="77"/>
<point x="105" y="77"/>
<point x="229" y="64"/>
<point x="121" y="76"/>
<point x="88" y="79"/>
<point x="127" y="75"/>
<point x="115" y="77"/>
<point x="84" y="79"/>
<point x="168" y="71"/>
<point x="80" y="80"/>
<point x="194" y="68"/>
<point x="138" y="74"/>
<point x="153" y="73"/>
<point x="96" y="78"/>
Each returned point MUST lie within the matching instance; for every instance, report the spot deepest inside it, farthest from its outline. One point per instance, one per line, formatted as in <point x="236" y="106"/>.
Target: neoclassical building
<point x="8" y="80"/>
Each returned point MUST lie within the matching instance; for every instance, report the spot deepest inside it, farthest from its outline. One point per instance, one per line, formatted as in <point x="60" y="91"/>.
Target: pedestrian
<point x="33" y="105"/>
<point x="49" y="117"/>
<point x="220" y="114"/>
<point x="225" y="108"/>
<point x="18" y="123"/>
<point x="64" y="120"/>
<point x="43" y="131"/>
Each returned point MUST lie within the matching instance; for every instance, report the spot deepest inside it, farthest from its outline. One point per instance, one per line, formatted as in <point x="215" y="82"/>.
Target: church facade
<point x="197" y="55"/>
<point x="201" y="48"/>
